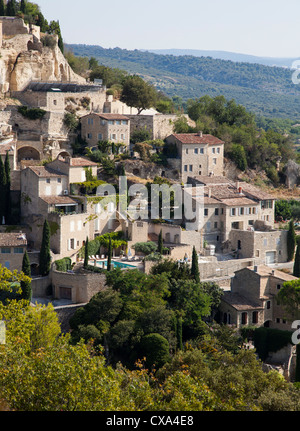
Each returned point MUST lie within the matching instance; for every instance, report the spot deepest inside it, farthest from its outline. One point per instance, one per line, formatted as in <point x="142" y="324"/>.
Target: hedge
<point x="270" y="340"/>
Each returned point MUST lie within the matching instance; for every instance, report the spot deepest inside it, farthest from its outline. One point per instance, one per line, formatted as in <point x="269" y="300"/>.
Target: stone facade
<point x="12" y="249"/>
<point x="199" y="154"/>
<point x="105" y="127"/>
<point x="251" y="300"/>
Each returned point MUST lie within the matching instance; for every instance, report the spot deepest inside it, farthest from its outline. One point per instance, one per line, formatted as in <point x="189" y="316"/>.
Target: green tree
<point x="289" y="298"/>
<point x="45" y="256"/>
<point x="156" y="350"/>
<point x="291" y="241"/>
<point x="160" y="244"/>
<point x="23" y="6"/>
<point x="238" y="155"/>
<point x="296" y="267"/>
<point x="26" y="285"/>
<point x="195" y="266"/>
<point x="109" y="255"/>
<point x="11" y="8"/>
<point x="179" y="333"/>
<point x="86" y="253"/>
<point x="8" y="191"/>
<point x="3" y="191"/>
<point x="2" y="8"/>
<point x="54" y="28"/>
<point x="138" y="94"/>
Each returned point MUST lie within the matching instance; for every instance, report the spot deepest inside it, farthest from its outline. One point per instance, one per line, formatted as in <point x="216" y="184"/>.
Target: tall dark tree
<point x="3" y="190"/>
<point x="26" y="285"/>
<point x="2" y="8"/>
<point x="195" y="266"/>
<point x="23" y="6"/>
<point x="160" y="244"/>
<point x="291" y="241"/>
<point x="11" y="8"/>
<point x="179" y="333"/>
<point x="109" y="255"/>
<point x="8" y="185"/>
<point x="296" y="268"/>
<point x="86" y="253"/>
<point x="45" y="256"/>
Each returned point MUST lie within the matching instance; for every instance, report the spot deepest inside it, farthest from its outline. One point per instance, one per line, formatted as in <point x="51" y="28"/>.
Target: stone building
<point x="105" y="127"/>
<point x="12" y="249"/>
<point x="228" y="206"/>
<point x="252" y="298"/>
<point x="199" y="154"/>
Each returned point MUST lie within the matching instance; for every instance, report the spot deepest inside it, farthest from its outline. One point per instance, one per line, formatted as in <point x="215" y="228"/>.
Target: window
<point x="90" y="121"/>
<point x="5" y="250"/>
<point x="201" y="150"/>
<point x="205" y="212"/>
<point x="111" y="122"/>
<point x="185" y="168"/>
<point x="18" y="250"/>
<point x="89" y="135"/>
<point x="267" y="204"/>
<point x="214" y="161"/>
<point x="48" y="180"/>
<point x="278" y="286"/>
<point x="186" y="151"/>
<point x="196" y="150"/>
<point x="250" y="222"/>
<point x="191" y="168"/>
<point x="268" y="305"/>
<point x="241" y="211"/>
<point x="122" y="136"/>
<point x="214" y="150"/>
<point x="218" y="150"/>
<point x="216" y="211"/>
<point x="118" y="122"/>
<point x="55" y="102"/>
<point x="244" y="318"/>
<point x="100" y="136"/>
<point x="216" y="225"/>
<point x="232" y="211"/>
<point x="255" y="317"/>
<point x="200" y="172"/>
<point x="124" y="122"/>
<point x="59" y="180"/>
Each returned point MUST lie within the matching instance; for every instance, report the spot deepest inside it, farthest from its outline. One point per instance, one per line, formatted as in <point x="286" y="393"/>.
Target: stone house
<point x="227" y="206"/>
<point x="74" y="168"/>
<point x="199" y="154"/>
<point x="12" y="249"/>
<point x="252" y="298"/>
<point x="105" y="127"/>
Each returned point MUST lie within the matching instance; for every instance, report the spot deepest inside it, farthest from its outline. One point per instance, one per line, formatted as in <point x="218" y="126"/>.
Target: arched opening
<point x="63" y="155"/>
<point x="267" y="324"/>
<point x="28" y="153"/>
<point x="34" y="269"/>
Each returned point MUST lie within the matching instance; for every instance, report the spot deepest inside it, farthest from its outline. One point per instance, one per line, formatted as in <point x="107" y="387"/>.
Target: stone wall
<point x="83" y="285"/>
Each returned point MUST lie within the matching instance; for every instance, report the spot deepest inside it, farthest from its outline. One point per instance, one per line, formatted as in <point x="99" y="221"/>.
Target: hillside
<point x="227" y="55"/>
<point x="264" y="90"/>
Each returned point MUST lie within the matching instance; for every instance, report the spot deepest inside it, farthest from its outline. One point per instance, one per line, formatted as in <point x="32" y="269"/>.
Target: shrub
<point x="32" y="113"/>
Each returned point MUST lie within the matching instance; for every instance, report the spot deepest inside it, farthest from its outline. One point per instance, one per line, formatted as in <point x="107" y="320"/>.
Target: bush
<point x="63" y="265"/>
<point x="270" y="340"/>
<point x="31" y="113"/>
<point x="155" y="348"/>
<point x="145" y="247"/>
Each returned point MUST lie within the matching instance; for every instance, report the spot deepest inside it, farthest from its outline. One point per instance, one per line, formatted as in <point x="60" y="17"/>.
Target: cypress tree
<point x="160" y="243"/>
<point x="26" y="285"/>
<point x="8" y="184"/>
<point x="45" y="256"/>
<point x="291" y="241"/>
<point x="23" y="6"/>
<point x="109" y="255"/>
<point x="195" y="266"/>
<point x="11" y="8"/>
<point x="2" y="8"/>
<point x="86" y="253"/>
<point x="179" y="333"/>
<point x="296" y="269"/>
<point x="2" y="191"/>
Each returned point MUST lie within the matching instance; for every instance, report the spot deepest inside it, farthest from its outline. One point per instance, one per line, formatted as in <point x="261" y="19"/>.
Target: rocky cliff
<point x="25" y="57"/>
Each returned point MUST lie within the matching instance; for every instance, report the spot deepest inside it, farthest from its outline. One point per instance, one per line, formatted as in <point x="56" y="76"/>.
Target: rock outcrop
<point x="25" y="58"/>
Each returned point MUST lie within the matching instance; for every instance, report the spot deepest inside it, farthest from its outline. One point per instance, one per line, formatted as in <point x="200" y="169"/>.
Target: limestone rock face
<point x="25" y="59"/>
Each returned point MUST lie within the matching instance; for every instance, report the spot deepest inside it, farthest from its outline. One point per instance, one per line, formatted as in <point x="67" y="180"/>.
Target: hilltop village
<point x="237" y="244"/>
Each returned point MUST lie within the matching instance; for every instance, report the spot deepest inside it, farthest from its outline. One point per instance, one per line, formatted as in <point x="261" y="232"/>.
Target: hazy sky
<point x="258" y="27"/>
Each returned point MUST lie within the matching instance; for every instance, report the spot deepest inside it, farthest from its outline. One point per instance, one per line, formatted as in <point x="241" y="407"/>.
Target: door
<point x="65" y="293"/>
<point x="270" y="257"/>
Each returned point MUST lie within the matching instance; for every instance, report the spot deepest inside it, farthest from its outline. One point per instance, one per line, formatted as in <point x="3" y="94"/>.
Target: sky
<point x="269" y="28"/>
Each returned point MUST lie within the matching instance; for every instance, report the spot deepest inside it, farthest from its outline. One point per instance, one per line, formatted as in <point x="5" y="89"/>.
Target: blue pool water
<point x="117" y="264"/>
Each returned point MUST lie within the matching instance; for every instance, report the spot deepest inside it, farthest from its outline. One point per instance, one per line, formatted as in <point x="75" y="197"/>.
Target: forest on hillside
<point x="266" y="91"/>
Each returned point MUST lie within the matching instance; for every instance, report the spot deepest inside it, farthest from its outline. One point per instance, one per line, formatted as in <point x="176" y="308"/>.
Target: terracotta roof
<point x="238" y="201"/>
<point x="255" y="192"/>
<point x="196" y="138"/>
<point x="210" y="180"/>
<point x="81" y="161"/>
<point x="13" y="239"/>
<point x="239" y="302"/>
<point x="265" y="271"/>
<point x="44" y="172"/>
<point x="62" y="200"/>
<point x="10" y="147"/>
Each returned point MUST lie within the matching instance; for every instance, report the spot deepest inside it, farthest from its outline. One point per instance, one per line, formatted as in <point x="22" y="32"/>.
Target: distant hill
<point x="226" y="55"/>
<point x="264" y="90"/>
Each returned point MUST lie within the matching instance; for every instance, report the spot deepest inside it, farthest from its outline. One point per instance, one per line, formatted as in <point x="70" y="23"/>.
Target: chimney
<point x="209" y="193"/>
<point x="200" y="134"/>
<point x="240" y="190"/>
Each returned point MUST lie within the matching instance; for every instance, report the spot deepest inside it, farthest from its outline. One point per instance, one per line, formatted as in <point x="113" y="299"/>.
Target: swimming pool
<point x="116" y="264"/>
